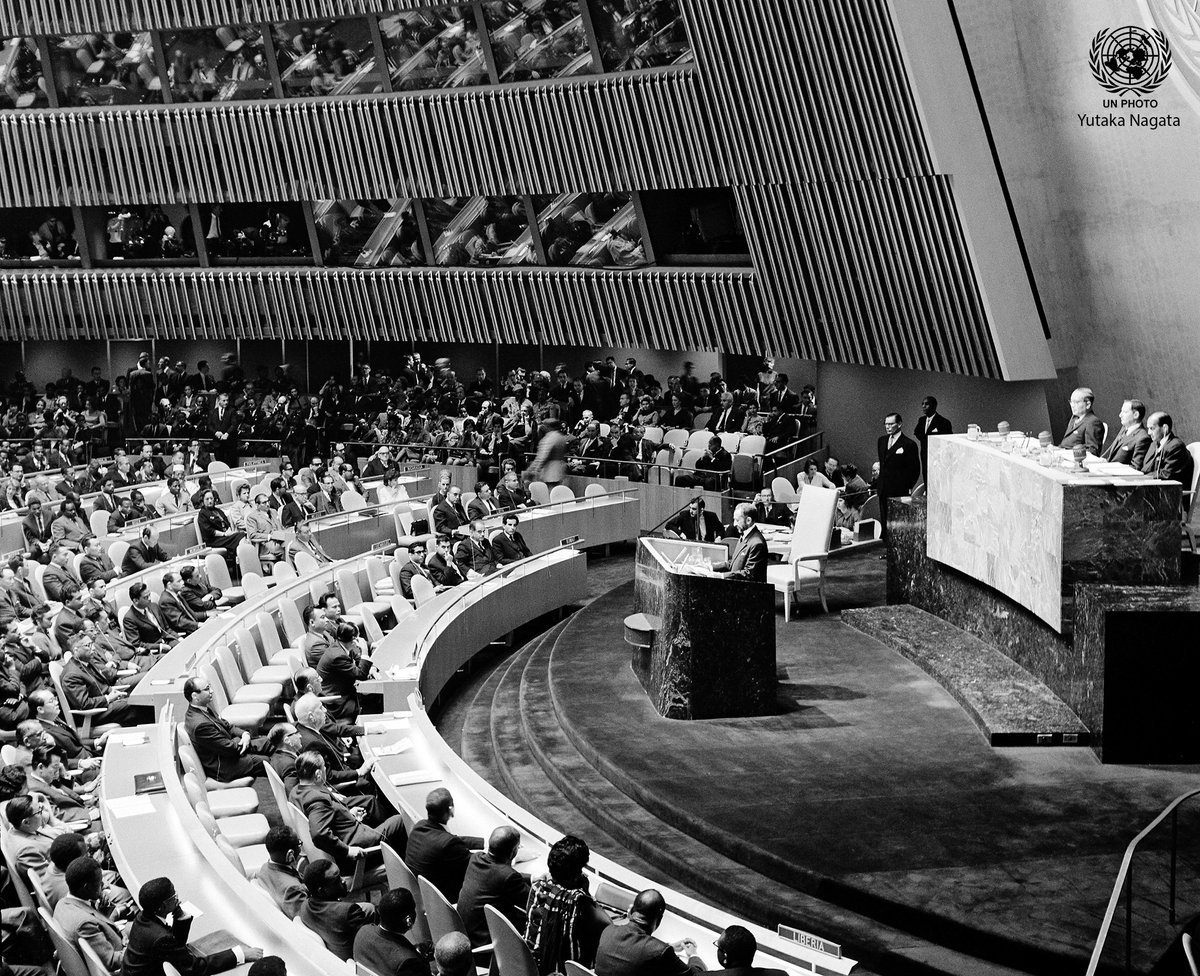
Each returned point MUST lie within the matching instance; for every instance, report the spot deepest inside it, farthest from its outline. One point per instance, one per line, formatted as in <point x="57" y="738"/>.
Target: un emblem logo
<point x="1130" y="60"/>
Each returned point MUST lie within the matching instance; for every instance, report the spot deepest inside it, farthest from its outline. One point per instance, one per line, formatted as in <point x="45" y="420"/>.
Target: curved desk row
<point x="419" y="658"/>
<point x="596" y="520"/>
<point x="454" y="628"/>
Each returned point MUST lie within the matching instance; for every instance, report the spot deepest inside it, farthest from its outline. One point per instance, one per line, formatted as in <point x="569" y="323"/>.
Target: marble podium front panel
<point x="998" y="522"/>
<point x="1032" y="532"/>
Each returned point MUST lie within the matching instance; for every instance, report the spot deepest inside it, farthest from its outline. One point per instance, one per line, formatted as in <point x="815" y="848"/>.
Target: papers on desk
<point x="397" y="673"/>
<point x="414" y="776"/>
<point x="163" y="681"/>
<point x="128" y="739"/>
<point x="394" y="749"/>
<point x="378" y="728"/>
<point x="130" y="806"/>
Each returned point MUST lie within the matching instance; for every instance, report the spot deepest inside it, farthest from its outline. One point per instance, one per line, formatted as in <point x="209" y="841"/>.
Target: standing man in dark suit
<point x="225" y="753"/>
<point x="434" y="853"/>
<point x="899" y="464"/>
<point x="1085" y="427"/>
<point x="629" y="948"/>
<point x="931" y="423"/>
<point x="510" y="545"/>
<point x="1169" y="459"/>
<point x="159" y="934"/>
<point x="492" y="880"/>
<point x="1132" y="442"/>
<point x="736" y="947"/>
<point x="749" y="559"/>
<point x="384" y="947"/>
<point x="224" y="424"/>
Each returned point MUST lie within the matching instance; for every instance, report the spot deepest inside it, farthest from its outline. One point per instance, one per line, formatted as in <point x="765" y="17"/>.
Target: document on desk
<point x="130" y="806"/>
<point x="394" y="749"/>
<point x="128" y="739"/>
<point x="378" y="728"/>
<point x="414" y="776"/>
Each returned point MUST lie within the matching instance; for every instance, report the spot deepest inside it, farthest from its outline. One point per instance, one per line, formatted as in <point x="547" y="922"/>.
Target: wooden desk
<point x="597" y="521"/>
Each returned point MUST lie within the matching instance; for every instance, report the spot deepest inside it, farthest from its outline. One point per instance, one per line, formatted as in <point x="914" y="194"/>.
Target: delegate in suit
<point x="1132" y="442"/>
<point x="899" y="464"/>
<point x="1084" y="427"/>
<point x="749" y="558"/>
<point x="931" y="424"/>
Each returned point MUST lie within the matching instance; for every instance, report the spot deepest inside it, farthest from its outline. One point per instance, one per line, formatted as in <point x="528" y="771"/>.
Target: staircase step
<point x="475" y="744"/>
<point x="1009" y="705"/>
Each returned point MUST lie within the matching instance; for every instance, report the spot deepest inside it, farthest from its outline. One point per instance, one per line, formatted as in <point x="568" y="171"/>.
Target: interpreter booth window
<point x="369" y="233"/>
<point x="592" y="230"/>
<point x="480" y="232"/>
<point x="140" y="234"/>
<point x="217" y="64"/>
<point x="21" y="82"/>
<point x="633" y="37"/>
<point x="255" y="233"/>
<point x="326" y="57"/>
<point x="105" y="69"/>
<point x="538" y="39"/>
<point x="437" y="47"/>
<point x="38" y="237"/>
<point x="695" y="227"/>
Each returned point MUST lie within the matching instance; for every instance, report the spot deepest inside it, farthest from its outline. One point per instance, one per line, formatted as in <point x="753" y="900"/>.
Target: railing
<point x="789" y="460"/>
<point x="1124" y="883"/>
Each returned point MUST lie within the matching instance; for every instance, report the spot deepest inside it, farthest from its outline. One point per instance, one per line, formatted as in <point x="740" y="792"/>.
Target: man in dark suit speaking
<point x="749" y="559"/>
<point x="899" y="464"/>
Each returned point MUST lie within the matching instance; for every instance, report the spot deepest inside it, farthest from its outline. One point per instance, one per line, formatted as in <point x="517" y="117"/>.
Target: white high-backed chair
<point x="809" y="547"/>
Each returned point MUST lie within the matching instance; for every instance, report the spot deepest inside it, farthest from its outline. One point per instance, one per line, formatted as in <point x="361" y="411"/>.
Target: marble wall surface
<point x="715" y="654"/>
<point x="1074" y="663"/>
<point x="1032" y="532"/>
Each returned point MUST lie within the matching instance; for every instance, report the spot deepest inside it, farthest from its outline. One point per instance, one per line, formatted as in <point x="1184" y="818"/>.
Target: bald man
<point x="629" y="948"/>
<point x="492" y="880"/>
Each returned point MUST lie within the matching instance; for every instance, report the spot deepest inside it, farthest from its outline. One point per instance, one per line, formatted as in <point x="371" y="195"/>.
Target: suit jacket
<point x="930" y="427"/>
<point x="337" y="922"/>
<point x="749" y="559"/>
<point x="339" y="671"/>
<point x="106" y="502"/>
<point x="487" y="882"/>
<point x="176" y="614"/>
<point x="67" y="741"/>
<point x="85" y="686"/>
<point x="144" y="628"/>
<point x="83" y="922"/>
<point x="510" y="550"/>
<point x="388" y="954"/>
<point x="332" y="823"/>
<point x="706" y="528"/>
<point x="55" y="579"/>
<point x="91" y="567"/>
<point x="1171" y="462"/>
<point x="337" y="765"/>
<point x="1129" y="447"/>
<point x="480" y="509"/>
<point x="447" y="518"/>
<point x="439" y="856"/>
<point x="481" y="557"/>
<point x="71" y="806"/>
<point x="626" y="950"/>
<point x="284" y="886"/>
<point x="508" y="499"/>
<point x="284" y="764"/>
<point x="67" y="624"/>
<point x="746" y="971"/>
<point x="899" y="467"/>
<point x="32" y="532"/>
<point x="443" y="572"/>
<point x="217" y="743"/>
<point x="719" y="423"/>
<point x="776" y="514"/>
<point x="11" y="607"/>
<point x="1087" y="430"/>
<point x="152" y="942"/>
<point x="140" y="556"/>
<point x="407" y="572"/>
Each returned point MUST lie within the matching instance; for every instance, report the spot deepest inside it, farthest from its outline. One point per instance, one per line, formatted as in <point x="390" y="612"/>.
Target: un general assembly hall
<point x="599" y="487"/>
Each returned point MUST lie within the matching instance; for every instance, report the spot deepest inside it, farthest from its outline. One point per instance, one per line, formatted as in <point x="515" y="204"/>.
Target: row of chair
<point x="697" y="440"/>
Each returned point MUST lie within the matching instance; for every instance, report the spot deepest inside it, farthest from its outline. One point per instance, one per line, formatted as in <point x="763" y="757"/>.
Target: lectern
<point x="713" y="654"/>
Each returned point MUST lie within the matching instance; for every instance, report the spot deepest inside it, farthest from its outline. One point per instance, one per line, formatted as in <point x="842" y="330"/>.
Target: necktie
<point x="39" y="520"/>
